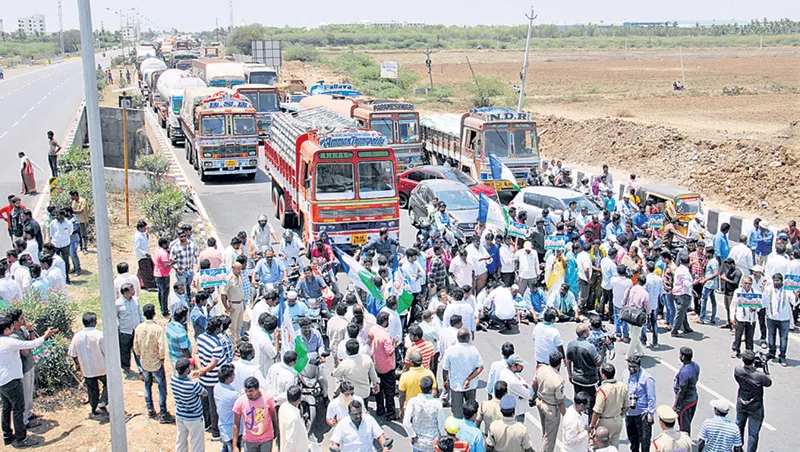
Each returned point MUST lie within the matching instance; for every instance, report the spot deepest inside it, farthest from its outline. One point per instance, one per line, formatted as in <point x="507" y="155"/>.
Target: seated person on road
<point x="563" y="301"/>
<point x="500" y="307"/>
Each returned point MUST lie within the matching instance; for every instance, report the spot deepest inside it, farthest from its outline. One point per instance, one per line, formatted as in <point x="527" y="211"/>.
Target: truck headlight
<point x="207" y="164"/>
<point x="251" y="153"/>
<point x="253" y="162"/>
<point x="207" y="155"/>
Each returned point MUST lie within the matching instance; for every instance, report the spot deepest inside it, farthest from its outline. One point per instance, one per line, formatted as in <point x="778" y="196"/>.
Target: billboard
<point x="267" y="53"/>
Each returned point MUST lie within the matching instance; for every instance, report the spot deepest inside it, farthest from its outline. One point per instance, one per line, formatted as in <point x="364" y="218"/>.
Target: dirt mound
<point x="757" y="175"/>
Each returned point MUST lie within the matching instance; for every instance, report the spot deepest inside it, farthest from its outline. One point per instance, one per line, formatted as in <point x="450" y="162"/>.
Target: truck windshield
<point x="496" y="142"/>
<point x="244" y="125"/>
<point x="376" y="179"/>
<point x="383" y="126"/>
<point x="524" y="143"/>
<point x="213" y="125"/>
<point x="263" y="78"/>
<point x="263" y="102"/>
<point x="176" y="103"/>
<point x="334" y="181"/>
<point x="409" y="131"/>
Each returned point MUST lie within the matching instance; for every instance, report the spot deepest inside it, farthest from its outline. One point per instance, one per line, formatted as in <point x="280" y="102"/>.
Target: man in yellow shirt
<point x="409" y="380"/>
<point x="81" y="210"/>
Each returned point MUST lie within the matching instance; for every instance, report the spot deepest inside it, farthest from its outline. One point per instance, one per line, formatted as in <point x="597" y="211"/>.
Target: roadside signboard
<point x="389" y="69"/>
<point x="266" y="52"/>
<point x="749" y="300"/>
<point x="555" y="242"/>
<point x="213" y="277"/>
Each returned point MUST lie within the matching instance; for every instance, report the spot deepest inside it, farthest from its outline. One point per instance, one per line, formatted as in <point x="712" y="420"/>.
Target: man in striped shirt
<point x="188" y="408"/>
<point x="719" y="434"/>
<point x="419" y="344"/>
<point x="211" y="353"/>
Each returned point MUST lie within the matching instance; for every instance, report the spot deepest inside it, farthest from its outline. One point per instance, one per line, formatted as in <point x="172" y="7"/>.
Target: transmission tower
<point x="230" y="7"/>
<point x="60" y="26"/>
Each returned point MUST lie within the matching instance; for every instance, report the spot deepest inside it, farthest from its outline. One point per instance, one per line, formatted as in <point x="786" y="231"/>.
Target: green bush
<point x="306" y="54"/>
<point x="365" y="74"/>
<point x="75" y="158"/>
<point x="155" y="166"/>
<point x="54" y="369"/>
<point x="487" y="92"/>
<point x="163" y="207"/>
<point x="441" y="93"/>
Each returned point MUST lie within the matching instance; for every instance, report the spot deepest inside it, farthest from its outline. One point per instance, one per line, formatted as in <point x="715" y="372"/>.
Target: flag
<point x="401" y="288"/>
<point x="501" y="172"/>
<point x="491" y="212"/>
<point x="290" y="340"/>
<point x="361" y="277"/>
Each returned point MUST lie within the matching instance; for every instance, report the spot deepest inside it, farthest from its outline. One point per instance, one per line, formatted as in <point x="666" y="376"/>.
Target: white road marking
<point x="4" y="134"/>
<point x="31" y="109"/>
<point x="24" y="115"/>
<point x="15" y="124"/>
<point x="707" y="389"/>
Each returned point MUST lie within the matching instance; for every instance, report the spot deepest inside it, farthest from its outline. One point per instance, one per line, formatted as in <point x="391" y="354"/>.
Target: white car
<point x="534" y="199"/>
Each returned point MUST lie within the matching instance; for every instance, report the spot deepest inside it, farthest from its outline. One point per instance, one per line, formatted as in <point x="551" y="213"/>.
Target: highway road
<point x="234" y="205"/>
<point x="32" y="102"/>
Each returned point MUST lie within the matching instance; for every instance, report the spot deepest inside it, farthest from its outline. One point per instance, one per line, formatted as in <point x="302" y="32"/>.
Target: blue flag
<point x="491" y="212"/>
<point x="501" y="172"/>
<point x="281" y="308"/>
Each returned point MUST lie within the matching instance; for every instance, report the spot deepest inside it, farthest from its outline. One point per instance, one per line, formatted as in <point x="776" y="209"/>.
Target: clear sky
<point x="196" y="15"/>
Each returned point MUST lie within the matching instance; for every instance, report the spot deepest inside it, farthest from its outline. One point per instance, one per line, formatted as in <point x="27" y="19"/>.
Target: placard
<point x="555" y="242"/>
<point x="657" y="220"/>
<point x="213" y="277"/>
<point x="749" y="300"/>
<point x="517" y="229"/>
<point x="791" y="282"/>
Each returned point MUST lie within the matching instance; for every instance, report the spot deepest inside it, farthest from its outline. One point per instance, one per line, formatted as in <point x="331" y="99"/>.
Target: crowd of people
<point x="234" y="355"/>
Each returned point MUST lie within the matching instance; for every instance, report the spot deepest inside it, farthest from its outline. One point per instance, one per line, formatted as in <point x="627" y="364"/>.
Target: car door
<point x="532" y="203"/>
<point x="409" y="180"/>
<point x="420" y="197"/>
<point x="555" y="205"/>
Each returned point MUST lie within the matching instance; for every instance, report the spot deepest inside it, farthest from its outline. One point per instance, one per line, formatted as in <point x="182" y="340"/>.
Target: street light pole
<point x="116" y="403"/>
<point x="524" y="74"/>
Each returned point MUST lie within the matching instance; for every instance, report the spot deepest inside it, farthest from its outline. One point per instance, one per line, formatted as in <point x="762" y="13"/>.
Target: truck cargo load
<point x="217" y="72"/>
<point x="170" y="88"/>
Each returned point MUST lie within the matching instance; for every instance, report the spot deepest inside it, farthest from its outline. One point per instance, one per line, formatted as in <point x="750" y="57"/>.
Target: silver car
<point x="460" y="200"/>
<point x="535" y="199"/>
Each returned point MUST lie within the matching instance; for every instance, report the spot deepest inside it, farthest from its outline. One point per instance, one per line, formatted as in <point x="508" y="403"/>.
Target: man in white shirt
<point x="262" y="338"/>
<point x="528" y="262"/>
<point x="461" y="307"/>
<point x="779" y="303"/>
<point x="575" y="435"/>
<point x="124" y="277"/>
<point x="22" y="274"/>
<point x="55" y="277"/>
<point x="500" y="304"/>
<point x="507" y="261"/>
<point x="608" y="268"/>
<point x="479" y="257"/>
<point x="281" y="376"/>
<point x="9" y="290"/>
<point x="462" y="269"/>
<point x="60" y="236"/>
<point x="584" y="262"/>
<point x="742" y="256"/>
<point x="246" y="367"/>
<point x="231" y="252"/>
<point x="293" y="437"/>
<point x="517" y="386"/>
<point x="412" y="269"/>
<point x="358" y="432"/>
<point x="290" y="248"/>
<point x="777" y="262"/>
<point x="395" y="327"/>
<point x="547" y="338"/>
<point x="619" y="285"/>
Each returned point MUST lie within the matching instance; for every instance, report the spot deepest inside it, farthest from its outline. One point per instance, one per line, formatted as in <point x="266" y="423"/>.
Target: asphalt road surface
<point x="32" y="102"/>
<point x="233" y="204"/>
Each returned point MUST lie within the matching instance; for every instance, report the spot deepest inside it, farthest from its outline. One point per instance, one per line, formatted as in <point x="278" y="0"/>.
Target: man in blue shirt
<point x="721" y="245"/>
<point x="468" y="431"/>
<point x="269" y="270"/>
<point x="760" y="241"/>
<point x="615" y="228"/>
<point x="639" y="418"/>
<point x="199" y="315"/>
<point x="295" y="307"/>
<point x="685" y="389"/>
<point x="640" y="221"/>
<point x="178" y="344"/>
<point x="39" y="283"/>
<point x="225" y="396"/>
<point x="310" y="285"/>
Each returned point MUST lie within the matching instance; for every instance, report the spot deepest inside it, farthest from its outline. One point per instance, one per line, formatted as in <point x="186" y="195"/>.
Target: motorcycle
<point x="318" y="320"/>
<point x="313" y="398"/>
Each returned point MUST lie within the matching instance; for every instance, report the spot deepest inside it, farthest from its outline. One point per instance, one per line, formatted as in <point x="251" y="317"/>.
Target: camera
<point x="762" y="362"/>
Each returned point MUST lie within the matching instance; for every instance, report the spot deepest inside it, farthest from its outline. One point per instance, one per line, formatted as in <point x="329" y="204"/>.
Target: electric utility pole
<point x="524" y="73"/>
<point x="428" y="64"/>
<point x="60" y="27"/>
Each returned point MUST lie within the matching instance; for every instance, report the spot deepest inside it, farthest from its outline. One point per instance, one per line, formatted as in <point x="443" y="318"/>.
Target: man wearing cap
<point x="528" y="267"/>
<point x="548" y="389"/>
<point x="760" y="241"/>
<point x="583" y="364"/>
<point x="671" y="439"/>
<point x="639" y="418"/>
<point x="719" y="434"/>
<point x="611" y="403"/>
<point x="517" y="386"/>
<point x="508" y="434"/>
<point x="295" y="307"/>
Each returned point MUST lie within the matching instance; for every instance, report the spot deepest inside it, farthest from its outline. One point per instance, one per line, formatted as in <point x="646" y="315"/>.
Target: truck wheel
<point x="403" y="201"/>
<point x="195" y="160"/>
<point x="275" y="197"/>
<point x="282" y="213"/>
<point x="186" y="148"/>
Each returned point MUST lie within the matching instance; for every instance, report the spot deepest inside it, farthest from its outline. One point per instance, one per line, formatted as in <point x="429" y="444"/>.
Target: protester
<point x="257" y="412"/>
<point x="149" y="347"/>
<point x="188" y="395"/>
<point x="461" y="365"/>
<point x="685" y="389"/>
<point x="750" y="398"/>
<point x="719" y="433"/>
<point x="292" y="428"/>
<point x="424" y="418"/>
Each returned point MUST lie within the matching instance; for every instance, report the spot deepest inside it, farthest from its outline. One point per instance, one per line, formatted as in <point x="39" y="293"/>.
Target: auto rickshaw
<point x="673" y="202"/>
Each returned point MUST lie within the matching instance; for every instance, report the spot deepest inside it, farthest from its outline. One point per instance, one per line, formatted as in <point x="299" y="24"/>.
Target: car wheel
<point x="403" y="201"/>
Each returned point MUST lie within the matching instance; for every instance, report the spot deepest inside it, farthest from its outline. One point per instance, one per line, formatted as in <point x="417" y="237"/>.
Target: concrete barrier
<point x="137" y="180"/>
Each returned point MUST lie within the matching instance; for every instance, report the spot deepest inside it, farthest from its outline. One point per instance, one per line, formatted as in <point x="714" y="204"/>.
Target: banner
<point x="657" y="220"/>
<point x="791" y="282"/>
<point x="517" y="229"/>
<point x="213" y="277"/>
<point x="555" y="242"/>
<point x="749" y="300"/>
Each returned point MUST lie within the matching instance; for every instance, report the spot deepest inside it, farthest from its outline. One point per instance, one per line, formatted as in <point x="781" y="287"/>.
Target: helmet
<point x="288" y="235"/>
<point x="585" y="180"/>
<point x="262" y="218"/>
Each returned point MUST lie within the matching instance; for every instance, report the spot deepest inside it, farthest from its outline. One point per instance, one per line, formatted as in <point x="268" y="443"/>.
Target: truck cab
<point x="265" y="100"/>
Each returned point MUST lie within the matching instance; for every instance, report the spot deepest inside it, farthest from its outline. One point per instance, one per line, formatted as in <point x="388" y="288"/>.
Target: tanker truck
<point x="171" y="85"/>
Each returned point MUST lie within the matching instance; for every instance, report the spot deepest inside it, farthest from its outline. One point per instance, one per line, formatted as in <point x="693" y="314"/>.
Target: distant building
<point x="32" y="24"/>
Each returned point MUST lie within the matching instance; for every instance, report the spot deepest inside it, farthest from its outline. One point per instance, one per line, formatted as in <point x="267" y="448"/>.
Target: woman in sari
<point x="26" y="170"/>
<point x="571" y="273"/>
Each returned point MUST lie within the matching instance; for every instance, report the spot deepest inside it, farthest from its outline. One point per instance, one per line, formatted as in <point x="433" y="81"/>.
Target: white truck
<point x="259" y="74"/>
<point x="145" y="69"/>
<point x="171" y="85"/>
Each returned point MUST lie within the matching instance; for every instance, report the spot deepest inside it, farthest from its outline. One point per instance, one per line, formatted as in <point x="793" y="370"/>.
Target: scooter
<point x="313" y="398"/>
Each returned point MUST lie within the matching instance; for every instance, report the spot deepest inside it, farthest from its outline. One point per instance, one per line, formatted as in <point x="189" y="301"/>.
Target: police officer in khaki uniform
<point x="548" y="388"/>
<point x="672" y="439"/>
<point x="611" y="403"/>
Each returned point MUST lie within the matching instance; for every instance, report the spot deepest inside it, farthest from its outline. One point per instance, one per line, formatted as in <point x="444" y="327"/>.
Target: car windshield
<point x="524" y="142"/>
<point x="383" y="126"/>
<point x="409" y="131"/>
<point x="244" y="124"/>
<point x="458" y="199"/>
<point x="334" y="181"/>
<point x="496" y="142"/>
<point x="582" y="202"/>
<point x="263" y="78"/>
<point x="376" y="179"/>
<point x="460" y="177"/>
<point x="687" y="205"/>
<point x="213" y="125"/>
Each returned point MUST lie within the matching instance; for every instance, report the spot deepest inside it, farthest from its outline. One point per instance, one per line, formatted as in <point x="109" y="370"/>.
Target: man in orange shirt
<point x="382" y="349"/>
<point x="419" y="344"/>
